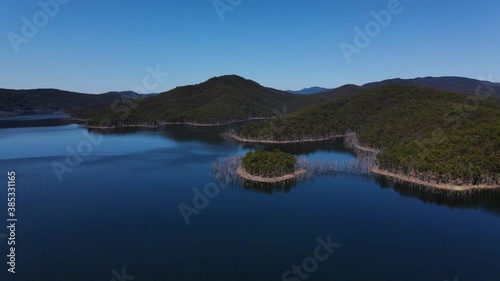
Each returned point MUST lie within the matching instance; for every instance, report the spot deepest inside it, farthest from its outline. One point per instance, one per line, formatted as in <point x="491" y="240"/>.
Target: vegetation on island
<point x="433" y="135"/>
<point x="269" y="164"/>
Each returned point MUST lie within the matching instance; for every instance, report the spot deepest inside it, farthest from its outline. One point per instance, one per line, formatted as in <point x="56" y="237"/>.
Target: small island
<point x="269" y="167"/>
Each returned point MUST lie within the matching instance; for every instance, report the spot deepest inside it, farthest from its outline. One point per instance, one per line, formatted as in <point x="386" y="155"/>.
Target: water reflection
<point x="334" y="145"/>
<point x="26" y="123"/>
<point x="209" y="135"/>
<point x="487" y="200"/>
<point x="32" y="116"/>
<point x="270" y="188"/>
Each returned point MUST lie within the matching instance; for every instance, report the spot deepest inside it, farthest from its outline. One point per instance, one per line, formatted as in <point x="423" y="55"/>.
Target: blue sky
<point x="97" y="46"/>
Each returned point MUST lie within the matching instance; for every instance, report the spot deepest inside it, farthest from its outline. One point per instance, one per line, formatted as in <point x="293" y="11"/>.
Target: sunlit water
<point x="119" y="208"/>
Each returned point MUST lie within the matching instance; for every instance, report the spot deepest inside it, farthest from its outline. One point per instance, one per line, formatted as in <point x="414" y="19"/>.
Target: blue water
<point x="119" y="208"/>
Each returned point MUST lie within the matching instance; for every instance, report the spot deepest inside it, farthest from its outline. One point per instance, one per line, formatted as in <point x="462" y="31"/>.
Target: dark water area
<point x="33" y="120"/>
<point x="95" y="203"/>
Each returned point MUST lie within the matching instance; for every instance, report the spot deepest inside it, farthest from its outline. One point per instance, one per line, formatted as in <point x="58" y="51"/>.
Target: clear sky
<point x="96" y="46"/>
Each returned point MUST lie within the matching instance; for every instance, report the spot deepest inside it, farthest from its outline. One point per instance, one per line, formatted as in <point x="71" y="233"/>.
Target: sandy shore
<point x="442" y="186"/>
<point x="240" y="139"/>
<point x="245" y="175"/>
<point x="123" y="126"/>
<point x="367" y="149"/>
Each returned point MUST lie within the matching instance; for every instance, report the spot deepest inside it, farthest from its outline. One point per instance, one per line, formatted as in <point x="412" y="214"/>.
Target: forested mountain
<point x="446" y="83"/>
<point x="206" y="102"/>
<point x="450" y="84"/>
<point x="422" y="132"/>
<point x="55" y="100"/>
<point x="218" y="100"/>
<point x="340" y="91"/>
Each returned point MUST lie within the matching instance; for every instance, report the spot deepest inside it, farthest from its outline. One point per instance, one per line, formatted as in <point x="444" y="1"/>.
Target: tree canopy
<point x="269" y="164"/>
<point x="431" y="134"/>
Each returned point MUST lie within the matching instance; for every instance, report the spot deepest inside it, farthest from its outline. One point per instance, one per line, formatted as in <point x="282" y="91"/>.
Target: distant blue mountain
<point x="309" y="91"/>
<point x="129" y="94"/>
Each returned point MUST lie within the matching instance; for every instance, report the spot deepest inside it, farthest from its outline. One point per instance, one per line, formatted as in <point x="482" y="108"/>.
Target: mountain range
<point x="50" y="100"/>
<point x="445" y="83"/>
<point x="218" y="100"/>
<point x="448" y="83"/>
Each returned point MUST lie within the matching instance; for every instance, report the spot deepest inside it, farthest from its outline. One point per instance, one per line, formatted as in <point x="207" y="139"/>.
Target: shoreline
<point x="443" y="186"/>
<point x="78" y="119"/>
<point x="247" y="176"/>
<point x="366" y="149"/>
<point x="215" y="124"/>
<point x="377" y="171"/>
<point x="356" y="146"/>
<point x="240" y="139"/>
<point x="163" y="124"/>
<point x="123" y="126"/>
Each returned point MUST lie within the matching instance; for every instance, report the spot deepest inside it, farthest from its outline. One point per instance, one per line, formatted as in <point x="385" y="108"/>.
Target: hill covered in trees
<point x="218" y="100"/>
<point x="446" y="83"/>
<point x="16" y="101"/>
<point x="433" y="135"/>
<point x="340" y="91"/>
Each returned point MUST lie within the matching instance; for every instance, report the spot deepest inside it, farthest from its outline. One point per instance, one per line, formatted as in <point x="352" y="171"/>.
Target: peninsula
<point x="421" y="135"/>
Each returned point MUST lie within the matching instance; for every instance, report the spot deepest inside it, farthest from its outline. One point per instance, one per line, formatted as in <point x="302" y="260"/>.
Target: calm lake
<point x="116" y="210"/>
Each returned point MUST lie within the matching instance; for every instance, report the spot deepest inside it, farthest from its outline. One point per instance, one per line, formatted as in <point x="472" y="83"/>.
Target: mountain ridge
<point x="453" y="84"/>
<point x="309" y="91"/>
<point x="48" y="99"/>
<point x="217" y="100"/>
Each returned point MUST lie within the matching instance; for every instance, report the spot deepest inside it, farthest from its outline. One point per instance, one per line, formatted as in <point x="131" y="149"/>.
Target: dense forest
<point x="218" y="100"/>
<point x="269" y="164"/>
<point x="447" y="83"/>
<point x="55" y="100"/>
<point x="433" y="135"/>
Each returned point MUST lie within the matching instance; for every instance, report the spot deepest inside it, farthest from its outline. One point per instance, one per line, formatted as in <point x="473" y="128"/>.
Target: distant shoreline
<point x="194" y="124"/>
<point x="240" y="139"/>
<point x="376" y="170"/>
<point x="247" y="176"/>
<point x="216" y="124"/>
<point x="122" y="126"/>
